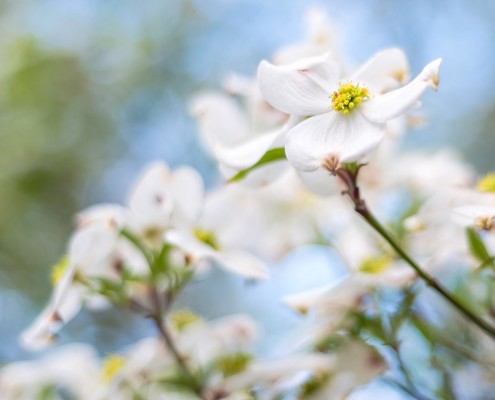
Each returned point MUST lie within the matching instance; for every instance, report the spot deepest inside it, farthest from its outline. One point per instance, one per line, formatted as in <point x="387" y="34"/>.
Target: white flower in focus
<point x="346" y="116"/>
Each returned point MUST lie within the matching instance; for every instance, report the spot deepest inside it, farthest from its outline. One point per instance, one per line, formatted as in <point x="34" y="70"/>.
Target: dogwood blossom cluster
<point x="294" y="144"/>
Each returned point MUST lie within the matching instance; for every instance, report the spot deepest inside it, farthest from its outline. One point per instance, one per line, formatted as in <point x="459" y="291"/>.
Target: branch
<point x="350" y="179"/>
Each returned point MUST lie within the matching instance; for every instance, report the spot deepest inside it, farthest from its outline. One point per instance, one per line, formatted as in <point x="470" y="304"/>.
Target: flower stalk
<point x="157" y="316"/>
<point x="349" y="174"/>
<point x="167" y="338"/>
<point x="160" y="306"/>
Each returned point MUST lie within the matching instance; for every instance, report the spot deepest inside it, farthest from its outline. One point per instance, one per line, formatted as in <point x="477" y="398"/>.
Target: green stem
<point x="137" y="243"/>
<point x="349" y="178"/>
<point x="156" y="315"/>
<point x="405" y="389"/>
<point x="167" y="338"/>
<point x="430" y="333"/>
<point x="432" y="282"/>
<point x="485" y="263"/>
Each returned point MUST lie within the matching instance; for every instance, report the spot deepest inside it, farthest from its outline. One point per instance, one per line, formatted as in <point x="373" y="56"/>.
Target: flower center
<point x="487" y="183"/>
<point x="375" y="265"/>
<point x="348" y="96"/>
<point x="207" y="237"/>
<point x="484" y="222"/>
<point x="182" y="318"/>
<point x="111" y="366"/>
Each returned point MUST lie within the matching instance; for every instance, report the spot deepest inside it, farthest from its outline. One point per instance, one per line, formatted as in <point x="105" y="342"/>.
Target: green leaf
<point x="412" y="209"/>
<point x="477" y="247"/>
<point x="272" y="155"/>
<point x="178" y="382"/>
<point x="234" y="363"/>
<point x="161" y="263"/>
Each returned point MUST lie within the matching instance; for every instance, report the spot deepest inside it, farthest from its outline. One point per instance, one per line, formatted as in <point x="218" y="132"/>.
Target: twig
<point x="350" y="179"/>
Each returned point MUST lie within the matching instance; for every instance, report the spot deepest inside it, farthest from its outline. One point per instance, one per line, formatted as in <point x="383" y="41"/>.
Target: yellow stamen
<point x="59" y="269"/>
<point x="111" y="366"/>
<point x="375" y="265"/>
<point x="182" y="318"/>
<point x="348" y="96"/>
<point x="207" y="237"/>
<point x="487" y="183"/>
<point x="234" y="363"/>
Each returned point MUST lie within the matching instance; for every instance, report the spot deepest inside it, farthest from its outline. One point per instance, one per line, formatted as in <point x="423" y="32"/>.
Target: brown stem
<point x="167" y="338"/>
<point x="157" y="318"/>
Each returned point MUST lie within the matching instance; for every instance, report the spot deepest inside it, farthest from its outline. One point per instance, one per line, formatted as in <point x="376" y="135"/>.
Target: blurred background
<point x="91" y="90"/>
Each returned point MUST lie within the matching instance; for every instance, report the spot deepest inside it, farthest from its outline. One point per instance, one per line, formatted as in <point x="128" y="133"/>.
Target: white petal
<point x="238" y="84"/>
<point x="232" y="160"/>
<point x="65" y="303"/>
<point x="302" y="88"/>
<point x="304" y="301"/>
<point x="112" y="215"/>
<point x="394" y="276"/>
<point x="348" y="137"/>
<point x="337" y="296"/>
<point x="188" y="243"/>
<point x="241" y="263"/>
<point x="383" y="107"/>
<point x="90" y="245"/>
<point x="247" y="154"/>
<point x="151" y="200"/>
<point x="39" y="334"/>
<point x="280" y="368"/>
<point x="221" y="120"/>
<point x="187" y="189"/>
<point x="384" y="71"/>
<point x="320" y="182"/>
<point x="238" y="262"/>
<point x="467" y="215"/>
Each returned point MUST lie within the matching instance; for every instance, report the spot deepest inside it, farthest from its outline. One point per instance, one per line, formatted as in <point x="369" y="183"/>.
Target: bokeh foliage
<point x="55" y="133"/>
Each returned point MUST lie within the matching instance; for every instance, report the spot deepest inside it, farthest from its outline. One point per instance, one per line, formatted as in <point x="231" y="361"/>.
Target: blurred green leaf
<point x="477" y="247"/>
<point x="55" y="131"/>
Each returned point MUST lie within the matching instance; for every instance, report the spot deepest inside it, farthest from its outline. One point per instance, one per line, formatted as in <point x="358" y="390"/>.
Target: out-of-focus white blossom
<point x="70" y="371"/>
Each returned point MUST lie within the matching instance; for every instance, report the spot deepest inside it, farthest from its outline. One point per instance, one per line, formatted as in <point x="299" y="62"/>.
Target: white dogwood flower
<point x="70" y="371"/>
<point x="345" y="117"/>
<point x="166" y="206"/>
<point x="478" y="216"/>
